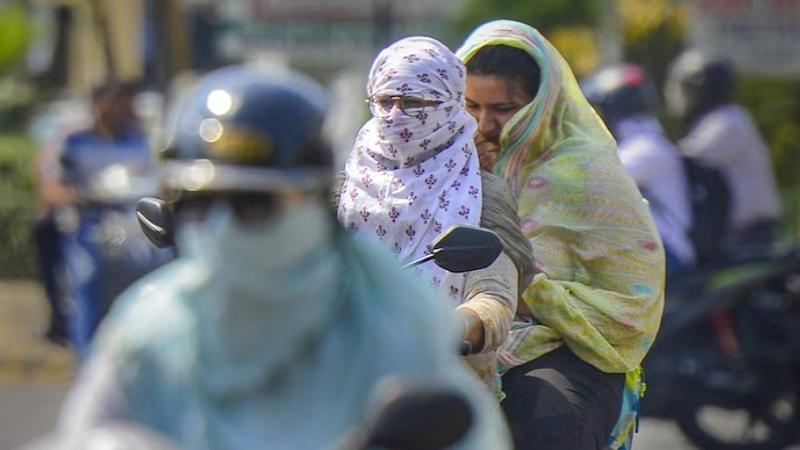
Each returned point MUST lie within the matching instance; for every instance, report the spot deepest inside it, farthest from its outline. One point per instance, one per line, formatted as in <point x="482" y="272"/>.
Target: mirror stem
<point x="419" y="261"/>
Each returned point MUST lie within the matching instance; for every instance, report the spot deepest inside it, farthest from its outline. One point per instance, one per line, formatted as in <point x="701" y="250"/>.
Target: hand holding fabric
<point x="488" y="152"/>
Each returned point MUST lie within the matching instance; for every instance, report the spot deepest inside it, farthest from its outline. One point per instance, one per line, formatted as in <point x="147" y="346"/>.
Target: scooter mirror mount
<point x="462" y="248"/>
<point x="156" y="221"/>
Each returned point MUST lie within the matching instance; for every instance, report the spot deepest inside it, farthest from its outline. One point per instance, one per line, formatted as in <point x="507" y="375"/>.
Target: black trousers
<point x="558" y="401"/>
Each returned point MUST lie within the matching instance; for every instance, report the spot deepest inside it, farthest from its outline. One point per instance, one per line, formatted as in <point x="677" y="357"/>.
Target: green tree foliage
<point x="775" y="106"/>
<point x="544" y="15"/>
<point x="17" y="207"/>
<point x="567" y="23"/>
<point x="15" y="33"/>
<point x="653" y="33"/>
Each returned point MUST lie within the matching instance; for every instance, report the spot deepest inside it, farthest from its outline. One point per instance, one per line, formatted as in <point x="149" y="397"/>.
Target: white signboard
<point x="759" y="36"/>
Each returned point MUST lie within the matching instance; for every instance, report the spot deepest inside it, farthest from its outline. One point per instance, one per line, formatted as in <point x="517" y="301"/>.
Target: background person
<point x="722" y="135"/>
<point x="114" y="137"/>
<point x="591" y="314"/>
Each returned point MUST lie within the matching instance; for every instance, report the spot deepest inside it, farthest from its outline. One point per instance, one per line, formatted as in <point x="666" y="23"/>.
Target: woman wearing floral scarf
<point x="414" y="171"/>
<point x="592" y="312"/>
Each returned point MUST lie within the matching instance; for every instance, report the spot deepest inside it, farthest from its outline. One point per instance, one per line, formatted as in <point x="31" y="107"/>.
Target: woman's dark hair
<point x="507" y="62"/>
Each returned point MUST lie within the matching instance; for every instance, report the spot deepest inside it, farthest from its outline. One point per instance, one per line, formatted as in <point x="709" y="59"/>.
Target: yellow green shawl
<point x="600" y="288"/>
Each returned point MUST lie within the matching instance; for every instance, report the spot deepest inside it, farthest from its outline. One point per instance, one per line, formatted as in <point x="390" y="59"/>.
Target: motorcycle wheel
<point x="771" y="425"/>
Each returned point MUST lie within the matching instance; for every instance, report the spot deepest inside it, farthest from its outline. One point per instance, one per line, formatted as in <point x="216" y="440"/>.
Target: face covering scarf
<point x="601" y="283"/>
<point x="408" y="178"/>
<point x="270" y="290"/>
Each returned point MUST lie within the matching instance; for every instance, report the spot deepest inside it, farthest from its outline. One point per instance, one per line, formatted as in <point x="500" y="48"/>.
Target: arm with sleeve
<point x="492" y="293"/>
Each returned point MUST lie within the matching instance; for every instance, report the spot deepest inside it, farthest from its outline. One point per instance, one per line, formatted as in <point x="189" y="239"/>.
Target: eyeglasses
<point x="381" y="105"/>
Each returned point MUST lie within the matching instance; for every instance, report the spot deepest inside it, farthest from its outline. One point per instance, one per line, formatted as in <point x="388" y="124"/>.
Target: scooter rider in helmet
<point x="722" y="135"/>
<point x="626" y="100"/>
<point x="273" y="325"/>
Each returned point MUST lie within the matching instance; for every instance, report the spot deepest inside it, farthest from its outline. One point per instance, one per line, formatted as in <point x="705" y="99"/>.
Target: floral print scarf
<point x="410" y="177"/>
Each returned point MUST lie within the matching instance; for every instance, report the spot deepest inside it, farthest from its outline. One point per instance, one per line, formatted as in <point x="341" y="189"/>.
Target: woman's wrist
<point x="473" y="331"/>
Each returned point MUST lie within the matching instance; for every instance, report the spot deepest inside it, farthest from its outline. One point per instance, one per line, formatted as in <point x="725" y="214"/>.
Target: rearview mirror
<point x="463" y="248"/>
<point x="156" y="221"/>
<point x="404" y="415"/>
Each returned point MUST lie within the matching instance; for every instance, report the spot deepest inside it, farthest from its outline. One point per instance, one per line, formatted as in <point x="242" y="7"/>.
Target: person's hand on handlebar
<point x="473" y="334"/>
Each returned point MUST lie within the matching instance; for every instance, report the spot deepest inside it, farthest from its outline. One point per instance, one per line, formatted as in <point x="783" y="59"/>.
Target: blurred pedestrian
<point x="52" y="126"/>
<point x="113" y="137"/>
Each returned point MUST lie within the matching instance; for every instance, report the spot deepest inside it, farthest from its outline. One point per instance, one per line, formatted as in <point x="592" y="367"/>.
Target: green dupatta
<point x="600" y="288"/>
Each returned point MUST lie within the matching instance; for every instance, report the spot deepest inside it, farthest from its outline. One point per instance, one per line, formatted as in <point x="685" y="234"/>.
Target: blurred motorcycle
<point x="726" y="363"/>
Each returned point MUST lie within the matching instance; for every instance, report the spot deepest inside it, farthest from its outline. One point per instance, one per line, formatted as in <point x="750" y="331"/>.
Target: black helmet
<point x="698" y="83"/>
<point x="242" y="129"/>
<point x="620" y="91"/>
